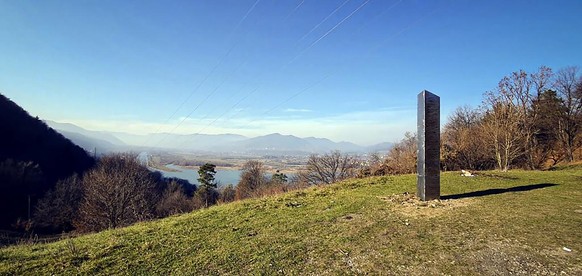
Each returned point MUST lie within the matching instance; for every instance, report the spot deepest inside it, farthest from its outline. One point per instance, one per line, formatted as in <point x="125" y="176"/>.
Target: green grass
<point x="354" y="227"/>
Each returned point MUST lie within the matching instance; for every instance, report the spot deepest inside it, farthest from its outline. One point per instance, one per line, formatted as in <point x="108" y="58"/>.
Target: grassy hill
<point x="494" y="223"/>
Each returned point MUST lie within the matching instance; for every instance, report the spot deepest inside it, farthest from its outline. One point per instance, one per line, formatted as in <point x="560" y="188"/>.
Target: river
<point x="222" y="177"/>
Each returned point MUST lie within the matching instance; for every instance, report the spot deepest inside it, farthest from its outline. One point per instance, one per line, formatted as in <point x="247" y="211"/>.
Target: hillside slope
<point x="90" y="144"/>
<point x="27" y="144"/>
<point x="25" y="138"/>
<point x="494" y="223"/>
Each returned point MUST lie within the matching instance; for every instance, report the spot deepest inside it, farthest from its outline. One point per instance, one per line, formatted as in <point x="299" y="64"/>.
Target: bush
<point x="401" y="158"/>
<point x="227" y="194"/>
<point x="174" y="200"/>
<point x="253" y="178"/>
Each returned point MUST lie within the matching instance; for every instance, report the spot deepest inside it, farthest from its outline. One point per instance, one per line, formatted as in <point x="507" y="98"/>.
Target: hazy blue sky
<point x="342" y="69"/>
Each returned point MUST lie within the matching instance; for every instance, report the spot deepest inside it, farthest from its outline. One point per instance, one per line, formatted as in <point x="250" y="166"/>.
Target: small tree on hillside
<point x="375" y="165"/>
<point x="252" y="179"/>
<point x="227" y="194"/>
<point x="206" y="173"/>
<point x="206" y="194"/>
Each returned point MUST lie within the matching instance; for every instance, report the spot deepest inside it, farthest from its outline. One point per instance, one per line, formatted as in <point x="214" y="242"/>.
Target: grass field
<point x="495" y="223"/>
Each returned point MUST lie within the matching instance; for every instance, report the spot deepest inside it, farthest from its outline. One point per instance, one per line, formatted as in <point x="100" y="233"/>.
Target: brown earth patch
<point x="408" y="204"/>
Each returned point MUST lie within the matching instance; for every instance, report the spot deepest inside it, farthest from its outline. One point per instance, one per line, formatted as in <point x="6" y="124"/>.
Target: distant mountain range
<point x="90" y="140"/>
<point x="271" y="144"/>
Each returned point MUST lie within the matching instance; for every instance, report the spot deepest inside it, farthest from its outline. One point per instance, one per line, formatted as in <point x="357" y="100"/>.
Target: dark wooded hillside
<point x="32" y="158"/>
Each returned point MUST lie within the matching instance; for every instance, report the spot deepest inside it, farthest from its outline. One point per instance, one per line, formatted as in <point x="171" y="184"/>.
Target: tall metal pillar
<point x="428" y="163"/>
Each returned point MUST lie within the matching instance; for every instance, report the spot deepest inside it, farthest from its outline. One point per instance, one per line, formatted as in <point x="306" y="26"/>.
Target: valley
<point x="228" y="167"/>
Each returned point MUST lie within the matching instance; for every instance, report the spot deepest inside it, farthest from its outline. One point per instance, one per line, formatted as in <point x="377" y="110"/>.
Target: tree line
<point x="529" y="121"/>
<point x="120" y="191"/>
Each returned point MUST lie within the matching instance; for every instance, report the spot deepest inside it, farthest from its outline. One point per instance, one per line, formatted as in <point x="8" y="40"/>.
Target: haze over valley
<point x="220" y="144"/>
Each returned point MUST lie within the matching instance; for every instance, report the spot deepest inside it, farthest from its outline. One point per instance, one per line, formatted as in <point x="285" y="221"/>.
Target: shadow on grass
<point x="499" y="191"/>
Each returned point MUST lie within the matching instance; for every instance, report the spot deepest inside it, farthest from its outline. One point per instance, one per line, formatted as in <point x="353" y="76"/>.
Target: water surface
<point x="223" y="177"/>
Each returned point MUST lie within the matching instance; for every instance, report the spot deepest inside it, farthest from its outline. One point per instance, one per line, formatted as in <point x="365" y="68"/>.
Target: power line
<point x="367" y="55"/>
<point x="294" y="10"/>
<point x="298" y="93"/>
<point x="323" y="21"/>
<point x="329" y="31"/>
<point x="379" y="15"/>
<point x="406" y="28"/>
<point x="224" y="113"/>
<point x="200" y="104"/>
<point x="313" y="44"/>
<point x="245" y="16"/>
<point x="338" y="24"/>
<point x="326" y="76"/>
<point x="207" y="76"/>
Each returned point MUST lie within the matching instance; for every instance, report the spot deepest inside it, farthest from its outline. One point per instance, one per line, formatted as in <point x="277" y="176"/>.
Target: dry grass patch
<point x="510" y="257"/>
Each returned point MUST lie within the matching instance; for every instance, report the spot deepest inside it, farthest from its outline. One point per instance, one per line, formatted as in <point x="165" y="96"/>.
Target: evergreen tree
<point x="207" y="172"/>
<point x="206" y="194"/>
<point x="279" y="177"/>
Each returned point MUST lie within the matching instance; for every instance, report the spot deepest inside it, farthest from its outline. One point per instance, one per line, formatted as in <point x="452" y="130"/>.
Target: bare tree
<point x="568" y="84"/>
<point x="227" y="194"/>
<point x="462" y="140"/>
<point x="374" y="165"/>
<point x="401" y="158"/>
<point x="520" y="85"/>
<point x="329" y="168"/>
<point x="118" y="192"/>
<point x="56" y="210"/>
<point x="503" y="133"/>
<point x="253" y="178"/>
<point x="541" y="82"/>
<point x="520" y="123"/>
<point x="506" y="121"/>
<point x="173" y="200"/>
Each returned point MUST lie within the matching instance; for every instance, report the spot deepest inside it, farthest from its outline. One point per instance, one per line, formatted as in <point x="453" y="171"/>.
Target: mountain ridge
<point x="274" y="143"/>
